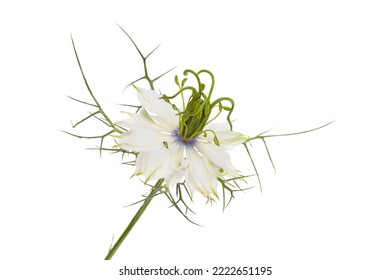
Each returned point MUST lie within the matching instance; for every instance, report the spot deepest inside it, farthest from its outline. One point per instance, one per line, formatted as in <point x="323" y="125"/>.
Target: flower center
<point x="187" y="143"/>
<point x="197" y="110"/>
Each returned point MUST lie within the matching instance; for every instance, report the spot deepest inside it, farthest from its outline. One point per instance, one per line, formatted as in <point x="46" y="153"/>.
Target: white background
<point x="290" y="66"/>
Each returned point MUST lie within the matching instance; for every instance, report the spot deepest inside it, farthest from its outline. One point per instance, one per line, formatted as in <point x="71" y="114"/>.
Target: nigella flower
<point x="158" y="134"/>
<point x="181" y="145"/>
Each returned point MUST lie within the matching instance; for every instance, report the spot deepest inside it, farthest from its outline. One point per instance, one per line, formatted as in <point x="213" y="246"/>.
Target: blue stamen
<point x="188" y="143"/>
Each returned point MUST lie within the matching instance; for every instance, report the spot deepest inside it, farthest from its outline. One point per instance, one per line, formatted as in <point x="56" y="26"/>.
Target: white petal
<point x="174" y="178"/>
<point x="227" y="138"/>
<point x="219" y="158"/>
<point x="144" y="120"/>
<point x="200" y="175"/>
<point x="153" y="103"/>
<point x="143" y="140"/>
<point x="143" y="134"/>
<point x="177" y="163"/>
<point x="154" y="165"/>
<point x="136" y="120"/>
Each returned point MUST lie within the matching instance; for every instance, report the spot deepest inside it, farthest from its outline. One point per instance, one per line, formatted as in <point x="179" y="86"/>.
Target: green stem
<point x="135" y="219"/>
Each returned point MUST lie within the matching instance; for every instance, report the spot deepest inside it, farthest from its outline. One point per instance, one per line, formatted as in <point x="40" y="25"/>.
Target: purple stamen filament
<point x="187" y="143"/>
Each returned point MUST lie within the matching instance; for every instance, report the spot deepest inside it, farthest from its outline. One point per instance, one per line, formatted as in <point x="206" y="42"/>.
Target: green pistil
<point x="198" y="109"/>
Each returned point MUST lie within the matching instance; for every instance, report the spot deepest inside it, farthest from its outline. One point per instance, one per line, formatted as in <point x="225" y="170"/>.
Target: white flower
<point x="162" y="153"/>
